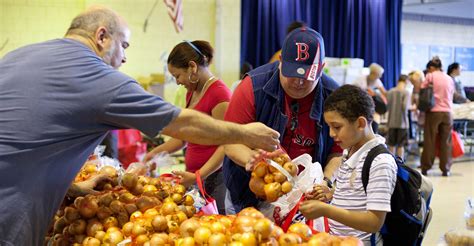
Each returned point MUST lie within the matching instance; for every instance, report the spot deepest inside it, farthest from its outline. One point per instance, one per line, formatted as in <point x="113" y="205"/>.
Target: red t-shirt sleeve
<point x="241" y="107"/>
<point x="219" y="93"/>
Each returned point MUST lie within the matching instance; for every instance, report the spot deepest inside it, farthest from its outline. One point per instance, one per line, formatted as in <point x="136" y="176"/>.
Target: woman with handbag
<point x="438" y="119"/>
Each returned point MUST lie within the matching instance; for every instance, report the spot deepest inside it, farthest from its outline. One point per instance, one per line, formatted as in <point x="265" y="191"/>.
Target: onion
<point x="93" y="226"/>
<point x="260" y="169"/>
<point x="218" y="227"/>
<point x="59" y="225"/>
<point x="301" y="230"/>
<point x="78" y="227"/>
<point x="268" y="178"/>
<point x="106" y="199"/>
<point x="88" y="207"/>
<point x="100" y="235"/>
<point x="110" y="222"/>
<point x="291" y="168"/>
<point x="252" y="212"/>
<point x="141" y="239"/>
<point x="256" y="185"/>
<point x="71" y="214"/>
<point x="131" y="208"/>
<point x="129" y="180"/>
<point x="117" y="207"/>
<point x="91" y="241"/>
<point x="263" y="228"/>
<point x="286" y="187"/>
<point x="113" y="237"/>
<point x="188" y="200"/>
<point x="104" y="212"/>
<point x="159" y="223"/>
<point x="289" y="239"/>
<point x="279" y="177"/>
<point x="201" y="235"/>
<point x="272" y="191"/>
<point x="188" y="227"/>
<point x="218" y="239"/>
<point x="248" y="239"/>
<point x="127" y="229"/>
<point x="243" y="224"/>
<point x="109" y="171"/>
<point x="168" y="208"/>
<point x="159" y="239"/>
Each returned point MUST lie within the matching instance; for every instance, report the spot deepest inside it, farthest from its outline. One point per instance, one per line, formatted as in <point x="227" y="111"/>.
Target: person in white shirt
<point x="353" y="212"/>
<point x="374" y="86"/>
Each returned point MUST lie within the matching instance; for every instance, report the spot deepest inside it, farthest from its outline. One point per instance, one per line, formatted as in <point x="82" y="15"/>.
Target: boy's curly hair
<point x="350" y="102"/>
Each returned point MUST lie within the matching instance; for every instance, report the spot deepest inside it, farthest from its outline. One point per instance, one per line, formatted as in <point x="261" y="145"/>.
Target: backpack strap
<point x="374" y="152"/>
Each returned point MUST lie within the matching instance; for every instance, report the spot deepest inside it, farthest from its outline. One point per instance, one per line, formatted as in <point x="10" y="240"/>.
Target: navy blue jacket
<point x="269" y="105"/>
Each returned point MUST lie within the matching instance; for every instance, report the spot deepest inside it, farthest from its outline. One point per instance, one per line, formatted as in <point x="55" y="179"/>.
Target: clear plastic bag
<point x="469" y="213"/>
<point x="163" y="163"/>
<point x="312" y="174"/>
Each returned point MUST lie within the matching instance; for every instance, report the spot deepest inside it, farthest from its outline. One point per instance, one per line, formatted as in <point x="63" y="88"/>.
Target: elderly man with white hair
<point x="373" y="85"/>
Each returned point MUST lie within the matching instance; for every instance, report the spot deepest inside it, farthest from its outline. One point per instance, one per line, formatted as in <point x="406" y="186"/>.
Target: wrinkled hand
<point x="261" y="155"/>
<point x="321" y="193"/>
<point x="87" y="186"/>
<point x="187" y="178"/>
<point x="260" y="136"/>
<point x="313" y="209"/>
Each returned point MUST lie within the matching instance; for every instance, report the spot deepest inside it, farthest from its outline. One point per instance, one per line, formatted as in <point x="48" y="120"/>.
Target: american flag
<point x="175" y="11"/>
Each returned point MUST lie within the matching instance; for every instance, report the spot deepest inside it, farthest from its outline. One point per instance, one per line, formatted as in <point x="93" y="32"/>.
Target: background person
<point x="292" y="26"/>
<point x="207" y="94"/>
<point x="439" y="120"/>
<point x="373" y="85"/>
<point x="398" y="103"/>
<point x="454" y="70"/>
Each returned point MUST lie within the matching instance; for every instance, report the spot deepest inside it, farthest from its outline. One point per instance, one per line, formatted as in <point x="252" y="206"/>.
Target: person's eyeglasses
<point x="294" y="115"/>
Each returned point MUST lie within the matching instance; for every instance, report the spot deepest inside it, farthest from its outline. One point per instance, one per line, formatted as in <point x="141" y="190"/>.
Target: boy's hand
<point x="320" y="193"/>
<point x="313" y="209"/>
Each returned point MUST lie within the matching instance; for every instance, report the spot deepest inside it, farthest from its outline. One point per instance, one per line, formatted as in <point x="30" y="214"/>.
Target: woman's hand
<point x="187" y="178"/>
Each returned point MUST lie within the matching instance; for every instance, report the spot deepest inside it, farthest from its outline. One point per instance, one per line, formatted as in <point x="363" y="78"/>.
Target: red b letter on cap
<point x="303" y="54"/>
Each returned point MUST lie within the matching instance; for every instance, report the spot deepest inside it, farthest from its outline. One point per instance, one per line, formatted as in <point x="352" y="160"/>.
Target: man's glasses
<point x="294" y="115"/>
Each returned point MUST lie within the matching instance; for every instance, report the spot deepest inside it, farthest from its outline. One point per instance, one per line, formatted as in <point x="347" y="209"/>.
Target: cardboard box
<point x="352" y="62"/>
<point x="332" y="61"/>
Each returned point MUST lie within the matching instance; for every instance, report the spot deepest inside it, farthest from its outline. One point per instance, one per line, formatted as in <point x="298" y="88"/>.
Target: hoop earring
<point x="193" y="82"/>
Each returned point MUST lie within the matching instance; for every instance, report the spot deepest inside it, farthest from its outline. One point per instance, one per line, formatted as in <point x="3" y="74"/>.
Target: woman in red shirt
<point x="189" y="63"/>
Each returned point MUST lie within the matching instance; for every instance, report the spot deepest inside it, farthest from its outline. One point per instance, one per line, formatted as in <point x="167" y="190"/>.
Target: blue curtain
<point x="367" y="29"/>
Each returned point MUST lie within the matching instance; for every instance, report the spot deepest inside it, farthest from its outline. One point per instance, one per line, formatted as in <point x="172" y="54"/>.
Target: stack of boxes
<point x="345" y="70"/>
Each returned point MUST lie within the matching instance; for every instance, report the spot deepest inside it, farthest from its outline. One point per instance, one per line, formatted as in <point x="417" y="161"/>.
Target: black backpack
<point x="410" y="212"/>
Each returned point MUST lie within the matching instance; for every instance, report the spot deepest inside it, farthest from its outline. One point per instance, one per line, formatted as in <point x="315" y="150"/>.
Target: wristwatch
<point x="328" y="182"/>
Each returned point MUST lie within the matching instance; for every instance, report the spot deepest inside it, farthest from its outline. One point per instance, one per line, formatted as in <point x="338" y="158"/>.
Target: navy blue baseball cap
<point x="302" y="54"/>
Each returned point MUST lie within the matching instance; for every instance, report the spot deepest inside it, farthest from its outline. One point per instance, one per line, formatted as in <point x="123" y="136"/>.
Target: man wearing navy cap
<point x="287" y="96"/>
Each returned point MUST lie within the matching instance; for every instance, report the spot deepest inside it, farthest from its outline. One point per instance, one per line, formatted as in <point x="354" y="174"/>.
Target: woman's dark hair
<point x="451" y="67"/>
<point x="293" y="25"/>
<point x="436" y="63"/>
<point x="198" y="51"/>
<point x="351" y="102"/>
<point x="403" y="77"/>
<point x="246" y="67"/>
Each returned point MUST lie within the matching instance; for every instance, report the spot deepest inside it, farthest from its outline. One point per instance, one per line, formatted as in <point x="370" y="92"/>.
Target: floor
<point x="449" y="197"/>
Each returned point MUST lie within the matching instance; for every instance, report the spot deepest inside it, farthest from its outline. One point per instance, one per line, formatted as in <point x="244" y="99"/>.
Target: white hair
<point x="374" y="67"/>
